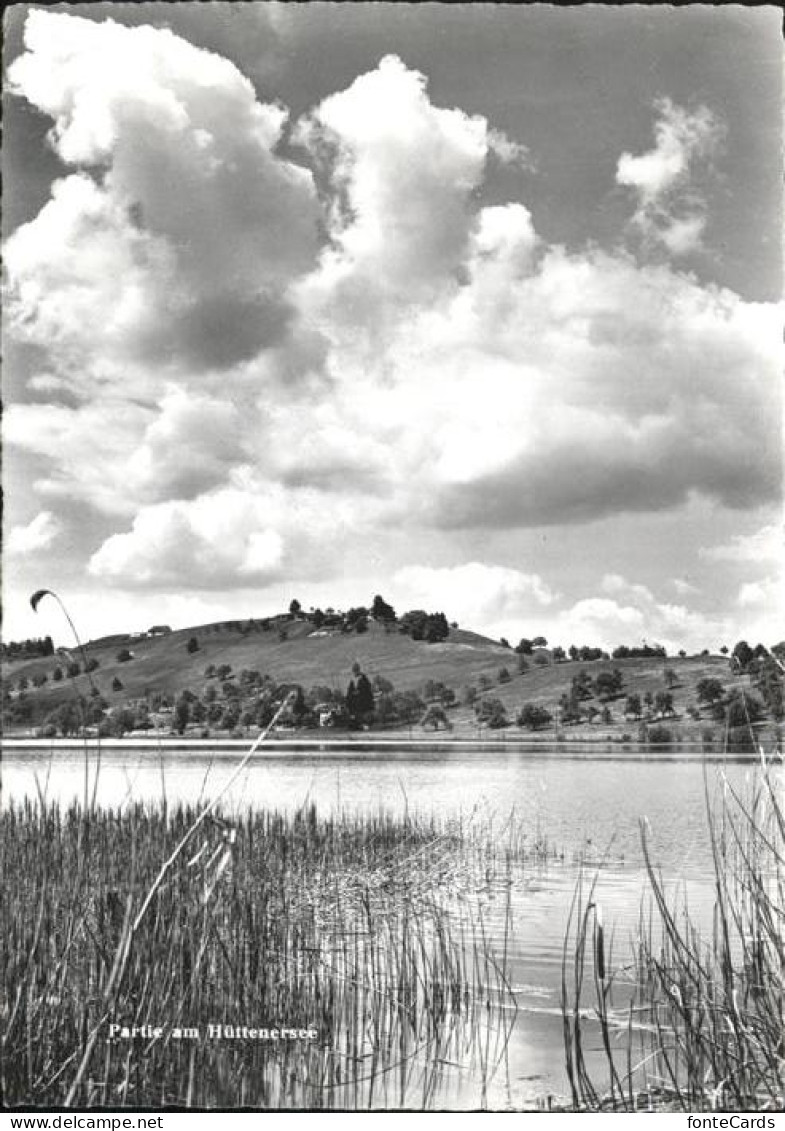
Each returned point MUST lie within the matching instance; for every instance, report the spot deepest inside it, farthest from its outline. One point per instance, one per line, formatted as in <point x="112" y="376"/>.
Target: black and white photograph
<point x="393" y="638"/>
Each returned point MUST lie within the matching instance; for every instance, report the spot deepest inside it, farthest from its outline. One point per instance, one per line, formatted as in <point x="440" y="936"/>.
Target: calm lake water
<point x="588" y="804"/>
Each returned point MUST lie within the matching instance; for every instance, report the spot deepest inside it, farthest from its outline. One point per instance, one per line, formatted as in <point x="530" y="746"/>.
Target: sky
<point x="474" y="306"/>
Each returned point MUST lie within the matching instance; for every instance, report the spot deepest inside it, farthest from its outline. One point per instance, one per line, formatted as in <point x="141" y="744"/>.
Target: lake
<point x="588" y="804"/>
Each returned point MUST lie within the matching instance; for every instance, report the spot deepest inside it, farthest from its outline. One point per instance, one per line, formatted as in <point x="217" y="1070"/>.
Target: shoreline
<point x="600" y="747"/>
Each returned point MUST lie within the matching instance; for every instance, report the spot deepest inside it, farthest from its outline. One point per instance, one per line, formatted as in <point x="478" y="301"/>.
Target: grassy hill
<point x="293" y="651"/>
<point x="163" y="664"/>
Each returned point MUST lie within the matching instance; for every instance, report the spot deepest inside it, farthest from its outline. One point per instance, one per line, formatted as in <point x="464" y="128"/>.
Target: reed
<point x="357" y="927"/>
<point x="697" y="1022"/>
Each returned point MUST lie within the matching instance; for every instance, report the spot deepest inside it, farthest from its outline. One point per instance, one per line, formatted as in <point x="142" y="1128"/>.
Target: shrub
<point x="660" y="736"/>
<point x="435" y="717"/>
<point x="744" y="709"/>
<point x="534" y="717"/>
<point x="633" y="706"/>
<point x="710" y="690"/>
<point x="492" y="713"/>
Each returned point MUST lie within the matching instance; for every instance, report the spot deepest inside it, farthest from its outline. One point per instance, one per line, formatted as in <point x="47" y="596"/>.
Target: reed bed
<point x="360" y="929"/>
<point x="695" y="1021"/>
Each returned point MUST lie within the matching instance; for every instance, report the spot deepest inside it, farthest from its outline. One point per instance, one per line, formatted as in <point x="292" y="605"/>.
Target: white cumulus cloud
<point x="669" y="209"/>
<point x="637" y="616"/>
<point x="402" y="172"/>
<point x="764" y="545"/>
<point x="248" y="534"/>
<point x="199" y="543"/>
<point x="38" y="534"/>
<point x="177" y="237"/>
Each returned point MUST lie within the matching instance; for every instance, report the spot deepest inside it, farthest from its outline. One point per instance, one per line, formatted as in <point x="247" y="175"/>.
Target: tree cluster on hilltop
<point x="431" y="627"/>
<point x="417" y="623"/>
